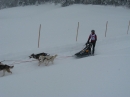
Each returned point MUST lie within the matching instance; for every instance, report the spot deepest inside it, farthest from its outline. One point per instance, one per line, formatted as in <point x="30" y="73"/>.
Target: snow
<point x="107" y="74"/>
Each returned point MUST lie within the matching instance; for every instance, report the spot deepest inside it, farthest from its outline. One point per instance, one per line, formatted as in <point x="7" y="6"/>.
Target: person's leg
<point x="93" y="48"/>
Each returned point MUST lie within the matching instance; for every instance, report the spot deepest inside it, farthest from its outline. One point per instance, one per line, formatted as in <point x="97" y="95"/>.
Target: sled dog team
<point x="45" y="58"/>
<point x="42" y="58"/>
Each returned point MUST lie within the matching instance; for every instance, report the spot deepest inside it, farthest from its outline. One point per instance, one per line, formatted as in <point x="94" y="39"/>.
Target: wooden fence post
<point x="39" y="35"/>
<point x="106" y="28"/>
<point x="77" y="31"/>
<point x="128" y="27"/>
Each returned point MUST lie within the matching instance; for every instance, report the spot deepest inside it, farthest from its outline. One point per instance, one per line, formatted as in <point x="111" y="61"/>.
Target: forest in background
<point x="15" y="3"/>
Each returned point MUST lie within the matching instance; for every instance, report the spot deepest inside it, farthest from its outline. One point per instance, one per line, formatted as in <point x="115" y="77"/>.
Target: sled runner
<point x="85" y="52"/>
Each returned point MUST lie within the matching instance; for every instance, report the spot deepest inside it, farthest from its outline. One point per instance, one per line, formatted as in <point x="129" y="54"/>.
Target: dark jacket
<point x="93" y="38"/>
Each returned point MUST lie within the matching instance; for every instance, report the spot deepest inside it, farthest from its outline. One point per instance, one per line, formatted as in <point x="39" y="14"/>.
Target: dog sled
<point x="85" y="52"/>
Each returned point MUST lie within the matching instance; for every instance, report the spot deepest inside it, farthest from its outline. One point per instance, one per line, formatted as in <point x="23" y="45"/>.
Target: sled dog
<point x="46" y="59"/>
<point x="5" y="67"/>
<point x="36" y="56"/>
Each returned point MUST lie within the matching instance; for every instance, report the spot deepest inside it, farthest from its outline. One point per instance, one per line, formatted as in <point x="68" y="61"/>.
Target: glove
<point x="86" y="43"/>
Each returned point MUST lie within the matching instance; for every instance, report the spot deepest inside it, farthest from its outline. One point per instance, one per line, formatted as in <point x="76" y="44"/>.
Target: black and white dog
<point x="36" y="56"/>
<point x="5" y="68"/>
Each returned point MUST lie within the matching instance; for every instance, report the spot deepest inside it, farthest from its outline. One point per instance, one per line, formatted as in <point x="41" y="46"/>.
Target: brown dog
<point x="5" y="67"/>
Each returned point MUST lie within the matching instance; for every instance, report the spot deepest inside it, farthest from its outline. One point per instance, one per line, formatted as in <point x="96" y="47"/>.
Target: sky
<point x="104" y="75"/>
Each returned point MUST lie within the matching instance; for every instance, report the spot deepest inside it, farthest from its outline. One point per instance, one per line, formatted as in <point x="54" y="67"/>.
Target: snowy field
<point x="107" y="74"/>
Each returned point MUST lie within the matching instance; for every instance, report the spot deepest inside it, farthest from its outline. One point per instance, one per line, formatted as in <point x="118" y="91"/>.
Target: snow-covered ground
<point x="107" y="74"/>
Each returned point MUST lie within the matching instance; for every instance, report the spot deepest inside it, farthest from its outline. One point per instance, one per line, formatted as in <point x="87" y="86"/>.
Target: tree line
<point x="15" y="3"/>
